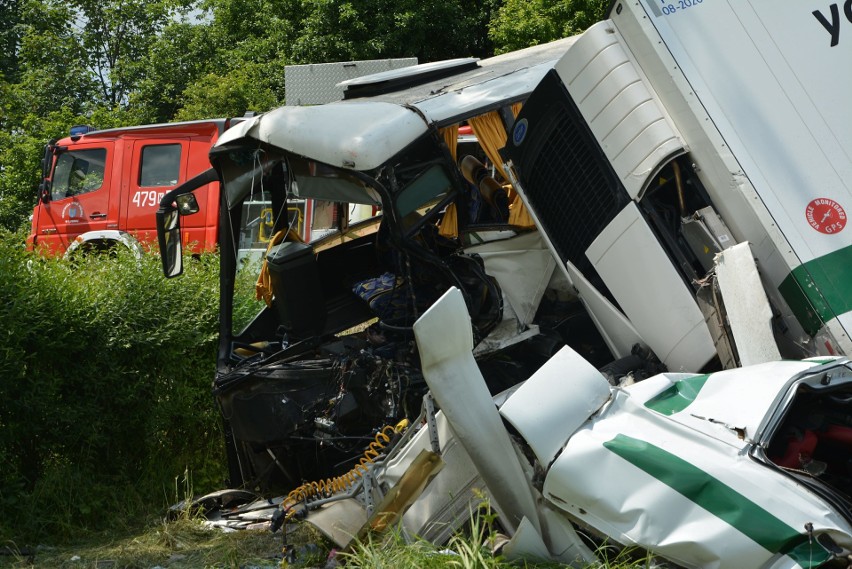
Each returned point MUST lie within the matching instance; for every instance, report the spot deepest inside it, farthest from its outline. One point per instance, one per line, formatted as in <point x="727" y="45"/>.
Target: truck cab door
<point x="156" y="166"/>
<point x="79" y="196"/>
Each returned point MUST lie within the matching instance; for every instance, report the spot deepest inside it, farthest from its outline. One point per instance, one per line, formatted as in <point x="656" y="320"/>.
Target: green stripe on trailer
<point x="677" y="397"/>
<point x="820" y="290"/>
<point x="719" y="499"/>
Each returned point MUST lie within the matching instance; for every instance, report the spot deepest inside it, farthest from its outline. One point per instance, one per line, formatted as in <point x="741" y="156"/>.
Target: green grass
<point x="469" y="549"/>
<point x="180" y="544"/>
<point x="187" y="543"/>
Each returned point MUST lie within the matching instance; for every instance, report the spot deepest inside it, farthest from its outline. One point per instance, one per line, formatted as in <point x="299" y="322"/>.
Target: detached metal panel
<point x="316" y="83"/>
<point x="652" y="294"/>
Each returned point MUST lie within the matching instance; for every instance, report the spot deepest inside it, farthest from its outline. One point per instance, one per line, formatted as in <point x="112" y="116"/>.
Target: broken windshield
<point x="284" y="199"/>
<point x="316" y="180"/>
<point x="289" y="198"/>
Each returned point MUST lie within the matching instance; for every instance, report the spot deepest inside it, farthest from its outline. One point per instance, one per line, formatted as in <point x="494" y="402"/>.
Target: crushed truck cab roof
<point x="344" y="134"/>
<point x="363" y="133"/>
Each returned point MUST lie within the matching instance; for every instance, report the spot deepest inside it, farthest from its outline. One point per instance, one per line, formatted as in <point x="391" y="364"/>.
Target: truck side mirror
<point x="168" y="234"/>
<point x="178" y="202"/>
<point x="187" y="204"/>
<point x="44" y="191"/>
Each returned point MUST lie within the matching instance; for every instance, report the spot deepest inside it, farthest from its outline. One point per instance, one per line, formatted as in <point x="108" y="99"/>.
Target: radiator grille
<point x="571" y="186"/>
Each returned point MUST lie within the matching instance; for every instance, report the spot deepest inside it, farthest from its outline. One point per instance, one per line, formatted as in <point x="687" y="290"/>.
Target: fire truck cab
<point x="100" y="188"/>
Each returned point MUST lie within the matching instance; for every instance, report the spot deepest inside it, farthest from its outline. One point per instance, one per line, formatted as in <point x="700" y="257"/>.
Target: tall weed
<point x="105" y="374"/>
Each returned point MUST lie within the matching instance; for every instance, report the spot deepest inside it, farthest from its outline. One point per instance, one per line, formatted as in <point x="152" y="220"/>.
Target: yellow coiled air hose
<point x="330" y="486"/>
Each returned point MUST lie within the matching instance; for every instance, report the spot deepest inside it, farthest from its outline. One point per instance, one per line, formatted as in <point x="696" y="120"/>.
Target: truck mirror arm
<point x="204" y="178"/>
<point x="168" y="220"/>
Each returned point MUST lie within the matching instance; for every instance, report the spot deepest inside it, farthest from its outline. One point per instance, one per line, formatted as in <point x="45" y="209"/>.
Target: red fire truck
<point x="100" y="188"/>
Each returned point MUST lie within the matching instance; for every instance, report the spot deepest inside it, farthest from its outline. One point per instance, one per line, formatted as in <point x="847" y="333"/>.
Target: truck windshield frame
<point x="406" y="192"/>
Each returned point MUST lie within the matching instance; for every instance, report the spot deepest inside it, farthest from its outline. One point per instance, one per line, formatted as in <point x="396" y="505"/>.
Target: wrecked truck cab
<point x="300" y="400"/>
<point x="300" y="403"/>
<point x="317" y="352"/>
<point x="391" y="266"/>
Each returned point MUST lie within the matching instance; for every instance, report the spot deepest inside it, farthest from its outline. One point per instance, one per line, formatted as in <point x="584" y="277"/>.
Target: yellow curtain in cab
<point x="491" y="134"/>
<point x="449" y="226"/>
<point x="451" y="137"/>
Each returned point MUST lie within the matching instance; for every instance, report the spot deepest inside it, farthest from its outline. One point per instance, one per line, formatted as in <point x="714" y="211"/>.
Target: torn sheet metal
<point x="340" y="521"/>
<point x="407" y="489"/>
<point x="446" y="357"/>
<point x="746" y="306"/>
<point x="449" y="498"/>
<point x="548" y="422"/>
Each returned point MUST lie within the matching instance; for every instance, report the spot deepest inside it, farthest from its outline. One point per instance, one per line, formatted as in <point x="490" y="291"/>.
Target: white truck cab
<point x="672" y="131"/>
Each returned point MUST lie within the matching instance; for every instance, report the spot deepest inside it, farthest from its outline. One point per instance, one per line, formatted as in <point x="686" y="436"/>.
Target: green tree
<point x="52" y="73"/>
<point x="182" y="54"/>
<point x="335" y="30"/>
<point x="220" y="63"/>
<point x="240" y="20"/>
<point x="10" y="15"/>
<point x="117" y="35"/>
<point x="234" y="94"/>
<point x="522" y="23"/>
<point x="261" y="43"/>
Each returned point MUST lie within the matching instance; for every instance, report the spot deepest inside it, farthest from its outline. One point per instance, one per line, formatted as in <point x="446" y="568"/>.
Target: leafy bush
<point x="105" y="374"/>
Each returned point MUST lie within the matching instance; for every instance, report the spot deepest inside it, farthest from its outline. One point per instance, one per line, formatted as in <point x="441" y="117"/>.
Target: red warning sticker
<point x="826" y="215"/>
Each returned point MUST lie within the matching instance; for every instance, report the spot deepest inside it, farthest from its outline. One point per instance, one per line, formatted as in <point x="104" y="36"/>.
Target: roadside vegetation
<point x="105" y="373"/>
<point x="186" y="543"/>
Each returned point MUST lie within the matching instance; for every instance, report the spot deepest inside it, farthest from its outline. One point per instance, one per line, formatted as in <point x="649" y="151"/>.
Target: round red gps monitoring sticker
<point x="826" y="215"/>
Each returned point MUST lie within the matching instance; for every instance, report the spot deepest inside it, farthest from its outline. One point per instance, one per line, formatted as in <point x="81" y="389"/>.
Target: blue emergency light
<point x="81" y="129"/>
